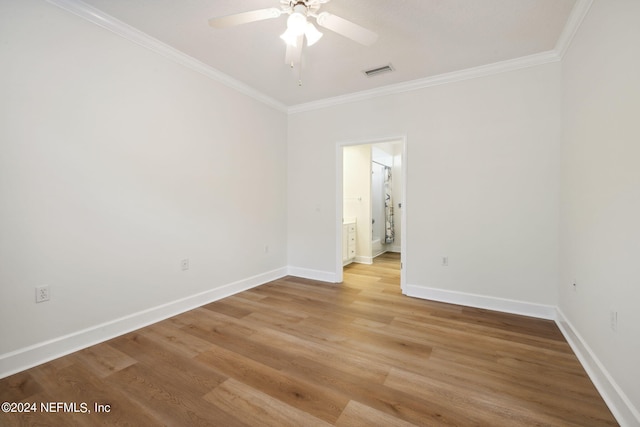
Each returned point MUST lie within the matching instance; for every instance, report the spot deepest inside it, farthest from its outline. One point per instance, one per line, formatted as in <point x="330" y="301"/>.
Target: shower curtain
<point x="389" y="232"/>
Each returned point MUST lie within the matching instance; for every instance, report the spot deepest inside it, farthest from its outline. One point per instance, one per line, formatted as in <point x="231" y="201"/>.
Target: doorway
<point x="370" y="196"/>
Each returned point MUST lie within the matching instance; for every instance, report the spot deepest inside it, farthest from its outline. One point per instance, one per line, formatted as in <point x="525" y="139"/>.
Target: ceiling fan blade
<point x="244" y="17"/>
<point x="347" y="28"/>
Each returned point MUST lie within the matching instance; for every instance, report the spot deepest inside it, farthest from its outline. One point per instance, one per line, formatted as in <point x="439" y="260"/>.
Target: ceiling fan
<point x="299" y="26"/>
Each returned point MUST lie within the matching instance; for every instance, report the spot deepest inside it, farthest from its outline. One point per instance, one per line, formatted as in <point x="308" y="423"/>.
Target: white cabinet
<point x="348" y="241"/>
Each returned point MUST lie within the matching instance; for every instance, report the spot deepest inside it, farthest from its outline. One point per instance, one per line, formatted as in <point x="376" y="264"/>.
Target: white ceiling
<point x="421" y="38"/>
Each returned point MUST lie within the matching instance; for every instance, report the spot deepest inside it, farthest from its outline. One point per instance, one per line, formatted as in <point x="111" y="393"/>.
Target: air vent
<point x="378" y="70"/>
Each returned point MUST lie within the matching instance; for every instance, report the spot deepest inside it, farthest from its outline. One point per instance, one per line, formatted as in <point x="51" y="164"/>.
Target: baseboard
<point x="540" y="311"/>
<point x="28" y="357"/>
<point x="307" y="273"/>
<point x="363" y="259"/>
<point x="620" y="405"/>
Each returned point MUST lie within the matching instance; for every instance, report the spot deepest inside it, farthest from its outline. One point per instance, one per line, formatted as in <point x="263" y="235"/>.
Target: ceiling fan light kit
<point x="297" y="21"/>
<point x="299" y="27"/>
<point x="312" y="34"/>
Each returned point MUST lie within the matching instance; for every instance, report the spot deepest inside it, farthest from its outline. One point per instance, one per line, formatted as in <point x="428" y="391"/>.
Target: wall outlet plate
<point x="42" y="293"/>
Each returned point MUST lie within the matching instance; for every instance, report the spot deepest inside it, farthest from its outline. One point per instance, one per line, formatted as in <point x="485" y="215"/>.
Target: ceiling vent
<point x="378" y="70"/>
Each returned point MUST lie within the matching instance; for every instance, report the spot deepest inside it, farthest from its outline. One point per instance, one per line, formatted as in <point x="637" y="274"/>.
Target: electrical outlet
<point x="42" y="293"/>
<point x="445" y="261"/>
<point x="184" y="264"/>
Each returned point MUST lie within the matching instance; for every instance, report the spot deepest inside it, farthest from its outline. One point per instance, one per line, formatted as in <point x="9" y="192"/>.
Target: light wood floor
<point x="296" y="352"/>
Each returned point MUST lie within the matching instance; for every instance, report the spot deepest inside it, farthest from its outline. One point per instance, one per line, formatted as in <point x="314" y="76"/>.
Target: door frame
<point x="340" y="200"/>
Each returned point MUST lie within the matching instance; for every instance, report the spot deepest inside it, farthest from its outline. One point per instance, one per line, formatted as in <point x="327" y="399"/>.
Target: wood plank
<point x="104" y="360"/>
<point x="358" y="415"/>
<point x="19" y="387"/>
<point x="173" y="337"/>
<point x="339" y="359"/>
<point x="257" y="408"/>
<point x="180" y="371"/>
<point x="303" y="394"/>
<point x="170" y="403"/>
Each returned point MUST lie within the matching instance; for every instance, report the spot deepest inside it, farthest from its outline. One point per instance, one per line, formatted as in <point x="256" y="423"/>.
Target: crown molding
<point x="440" y="79"/>
<point x="130" y="33"/>
<point x="576" y="17"/>
<point x="110" y="23"/>
<point x="579" y="12"/>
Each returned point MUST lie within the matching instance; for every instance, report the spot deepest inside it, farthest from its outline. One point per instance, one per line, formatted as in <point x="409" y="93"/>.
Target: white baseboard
<point x="482" y="301"/>
<point x="363" y="259"/>
<point x="28" y="357"/>
<point x="307" y="273"/>
<point x="620" y="405"/>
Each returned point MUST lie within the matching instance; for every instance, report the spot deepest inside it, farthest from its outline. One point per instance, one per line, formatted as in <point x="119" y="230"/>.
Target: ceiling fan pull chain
<point x="302" y="65"/>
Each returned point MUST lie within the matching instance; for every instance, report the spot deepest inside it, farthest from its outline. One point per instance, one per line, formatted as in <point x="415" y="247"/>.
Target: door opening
<point x="370" y="217"/>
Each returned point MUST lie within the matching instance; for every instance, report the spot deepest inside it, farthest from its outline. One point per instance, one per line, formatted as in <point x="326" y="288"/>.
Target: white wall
<point x="600" y="239"/>
<point x="482" y="182"/>
<point x="116" y="163"/>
